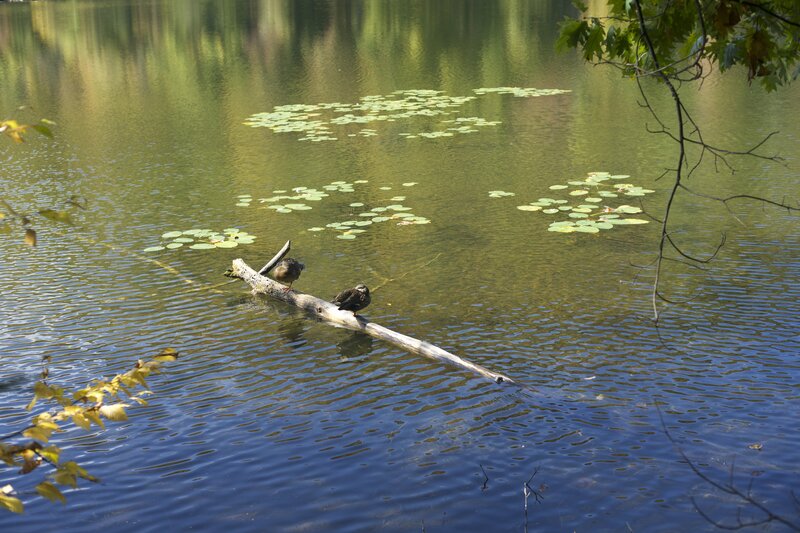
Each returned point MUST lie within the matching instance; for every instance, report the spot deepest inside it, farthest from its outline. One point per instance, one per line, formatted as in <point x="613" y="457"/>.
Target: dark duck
<point x="287" y="271"/>
<point x="354" y="299"/>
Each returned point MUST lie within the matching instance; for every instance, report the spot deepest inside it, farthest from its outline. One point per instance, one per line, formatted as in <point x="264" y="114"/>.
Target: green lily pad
<point x="529" y="208"/>
<point x="550" y="211"/>
<point x="628" y="221"/>
<point x="587" y="229"/>
<point x="557" y="187"/>
<point x="171" y="234"/>
<point x="562" y="228"/>
<point x="628" y="209"/>
<point x="226" y="244"/>
<point x="578" y="192"/>
<point x="173" y="245"/>
<point x="316" y="229"/>
<point x="202" y="246"/>
<point x="346" y="236"/>
<point x="153" y="249"/>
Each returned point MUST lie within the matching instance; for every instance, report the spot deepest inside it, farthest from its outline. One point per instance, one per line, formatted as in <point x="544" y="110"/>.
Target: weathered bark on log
<point x="330" y="313"/>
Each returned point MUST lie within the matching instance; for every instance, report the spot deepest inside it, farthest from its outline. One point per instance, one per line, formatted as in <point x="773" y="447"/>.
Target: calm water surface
<point x="271" y="421"/>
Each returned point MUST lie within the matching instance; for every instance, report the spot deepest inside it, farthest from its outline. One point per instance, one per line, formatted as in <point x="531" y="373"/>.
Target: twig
<point x="274" y="261"/>
<point x="386" y="280"/>
<point x="486" y="478"/>
<point x="729" y="488"/>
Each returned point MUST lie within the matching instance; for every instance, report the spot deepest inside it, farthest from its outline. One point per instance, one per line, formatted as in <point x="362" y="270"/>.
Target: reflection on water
<point x="273" y="421"/>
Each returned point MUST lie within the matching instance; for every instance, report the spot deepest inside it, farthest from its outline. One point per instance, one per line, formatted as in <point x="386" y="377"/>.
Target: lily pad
<point x="529" y="207"/>
<point x="153" y="249"/>
<point x="202" y="246"/>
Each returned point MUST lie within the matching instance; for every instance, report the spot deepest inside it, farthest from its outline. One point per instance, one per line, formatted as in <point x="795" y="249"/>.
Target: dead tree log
<point x="331" y="314"/>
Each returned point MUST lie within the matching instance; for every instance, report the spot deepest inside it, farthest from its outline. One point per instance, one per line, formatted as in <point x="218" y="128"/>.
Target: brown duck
<point x="287" y="271"/>
<point x="354" y="299"/>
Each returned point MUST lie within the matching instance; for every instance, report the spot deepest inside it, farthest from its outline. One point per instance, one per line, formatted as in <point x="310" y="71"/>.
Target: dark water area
<point x="271" y="421"/>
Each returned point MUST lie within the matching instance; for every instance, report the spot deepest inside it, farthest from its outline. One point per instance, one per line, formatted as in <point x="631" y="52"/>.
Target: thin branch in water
<point x="486" y="478"/>
<point x="729" y="488"/>
<point x="695" y="259"/>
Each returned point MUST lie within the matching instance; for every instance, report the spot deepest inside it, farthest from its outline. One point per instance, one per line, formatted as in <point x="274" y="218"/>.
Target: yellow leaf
<point x="31" y="404"/>
<point x="37" y="433"/>
<point x="115" y="412"/>
<point x="51" y="453"/>
<point x="10" y="503"/>
<point x="92" y="415"/>
<point x="30" y="235"/>
<point x="63" y="477"/>
<point x="167" y="355"/>
<point x="31" y="461"/>
<point x="50" y="491"/>
<point x="82" y="421"/>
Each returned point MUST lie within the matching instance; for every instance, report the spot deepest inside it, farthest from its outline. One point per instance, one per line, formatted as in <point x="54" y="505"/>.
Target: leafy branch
<point x="678" y="43"/>
<point x="99" y="400"/>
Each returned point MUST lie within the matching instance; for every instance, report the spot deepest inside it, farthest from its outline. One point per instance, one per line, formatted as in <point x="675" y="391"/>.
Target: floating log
<point x="331" y="314"/>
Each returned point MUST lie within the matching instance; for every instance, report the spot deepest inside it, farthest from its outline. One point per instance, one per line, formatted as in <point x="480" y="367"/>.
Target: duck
<point x="287" y="271"/>
<point x="354" y="299"/>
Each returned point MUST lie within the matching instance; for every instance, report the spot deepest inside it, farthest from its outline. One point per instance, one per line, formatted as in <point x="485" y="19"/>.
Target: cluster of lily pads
<point x="202" y="239"/>
<point x="287" y="201"/>
<point x="398" y="213"/>
<point x="315" y="124"/>
<point x="591" y="196"/>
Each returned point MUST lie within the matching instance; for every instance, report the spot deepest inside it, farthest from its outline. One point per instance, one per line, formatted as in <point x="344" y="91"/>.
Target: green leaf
<point x="50" y="491"/>
<point x="571" y="33"/>
<point x="44" y="130"/>
<point x="593" y="47"/>
<point x="57" y="216"/>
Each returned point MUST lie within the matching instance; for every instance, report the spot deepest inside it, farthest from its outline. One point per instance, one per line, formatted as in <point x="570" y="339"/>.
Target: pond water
<point x="271" y="421"/>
